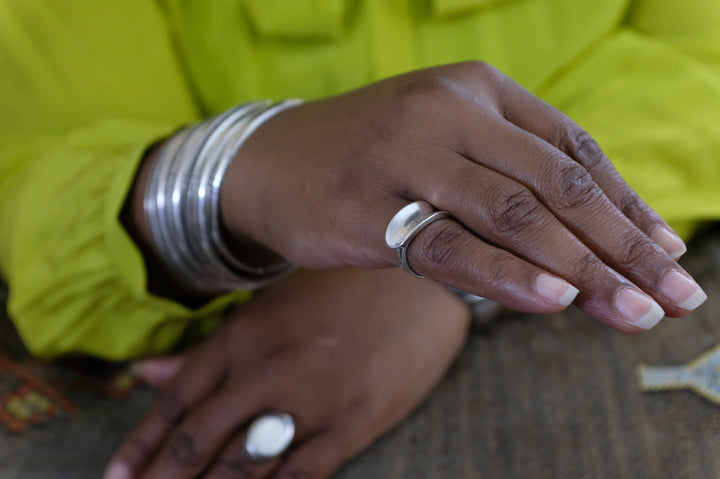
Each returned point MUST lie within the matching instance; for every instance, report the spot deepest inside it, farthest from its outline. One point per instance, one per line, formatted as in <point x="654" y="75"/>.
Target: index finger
<point x="191" y="385"/>
<point x="535" y="116"/>
<point x="567" y="189"/>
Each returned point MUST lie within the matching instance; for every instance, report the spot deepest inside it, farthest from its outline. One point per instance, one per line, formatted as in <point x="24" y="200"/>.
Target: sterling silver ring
<point x="269" y="436"/>
<point x="406" y="225"/>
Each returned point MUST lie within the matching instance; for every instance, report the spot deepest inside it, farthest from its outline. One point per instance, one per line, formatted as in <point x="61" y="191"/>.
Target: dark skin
<point x="540" y="218"/>
<point x="531" y="192"/>
<point x="348" y="353"/>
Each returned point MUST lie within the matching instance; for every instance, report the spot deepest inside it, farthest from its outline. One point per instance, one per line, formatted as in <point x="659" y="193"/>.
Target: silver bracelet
<point x="182" y="201"/>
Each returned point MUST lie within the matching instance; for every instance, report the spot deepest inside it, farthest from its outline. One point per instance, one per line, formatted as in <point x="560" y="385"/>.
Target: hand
<point x="348" y="353"/>
<point x="537" y="205"/>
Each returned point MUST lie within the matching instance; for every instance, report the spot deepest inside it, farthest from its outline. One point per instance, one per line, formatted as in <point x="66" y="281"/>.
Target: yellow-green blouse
<point x="86" y="86"/>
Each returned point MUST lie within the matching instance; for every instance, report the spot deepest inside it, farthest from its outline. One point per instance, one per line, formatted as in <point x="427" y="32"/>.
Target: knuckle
<point x="479" y="68"/>
<point x="575" y="186"/>
<point x="515" y="211"/>
<point x="633" y="207"/>
<point x="426" y="91"/>
<point x="183" y="451"/>
<point x="495" y="272"/>
<point x="438" y="248"/>
<point x="636" y="252"/>
<point x="586" y="269"/>
<point x="494" y="81"/>
<point x="583" y="147"/>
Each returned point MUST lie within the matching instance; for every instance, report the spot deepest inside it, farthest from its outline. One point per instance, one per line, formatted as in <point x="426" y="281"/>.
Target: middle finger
<point x="191" y="446"/>
<point x="568" y="191"/>
<point x="506" y="214"/>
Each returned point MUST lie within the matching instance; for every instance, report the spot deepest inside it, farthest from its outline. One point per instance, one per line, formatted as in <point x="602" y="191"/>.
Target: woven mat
<point x="530" y="397"/>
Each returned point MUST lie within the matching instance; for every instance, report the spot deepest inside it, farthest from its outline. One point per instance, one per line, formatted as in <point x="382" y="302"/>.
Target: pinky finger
<point x="448" y="253"/>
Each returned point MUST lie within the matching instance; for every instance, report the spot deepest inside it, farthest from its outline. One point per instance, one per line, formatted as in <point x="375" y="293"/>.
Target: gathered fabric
<point x="86" y="88"/>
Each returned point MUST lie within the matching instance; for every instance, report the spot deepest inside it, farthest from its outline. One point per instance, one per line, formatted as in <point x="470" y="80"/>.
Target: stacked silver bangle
<point x="183" y="195"/>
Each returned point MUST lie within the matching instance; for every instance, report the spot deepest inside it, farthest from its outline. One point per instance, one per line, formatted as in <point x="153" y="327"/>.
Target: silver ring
<point x="406" y="225"/>
<point x="269" y="436"/>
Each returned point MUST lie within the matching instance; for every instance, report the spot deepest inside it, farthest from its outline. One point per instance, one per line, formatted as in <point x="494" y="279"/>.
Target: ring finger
<point x="234" y="461"/>
<point x="191" y="445"/>
<point x="508" y="215"/>
<point x="567" y="190"/>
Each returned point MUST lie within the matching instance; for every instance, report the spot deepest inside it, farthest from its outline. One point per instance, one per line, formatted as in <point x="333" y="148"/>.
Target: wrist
<point x="245" y="249"/>
<point x="161" y="280"/>
<point x="184" y="212"/>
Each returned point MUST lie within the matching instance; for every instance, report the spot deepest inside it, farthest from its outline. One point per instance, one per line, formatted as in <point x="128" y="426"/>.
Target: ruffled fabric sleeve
<point x="84" y="91"/>
<point x="77" y="281"/>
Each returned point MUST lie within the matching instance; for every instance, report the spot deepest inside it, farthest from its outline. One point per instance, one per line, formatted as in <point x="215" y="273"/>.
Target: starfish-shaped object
<point x="701" y="375"/>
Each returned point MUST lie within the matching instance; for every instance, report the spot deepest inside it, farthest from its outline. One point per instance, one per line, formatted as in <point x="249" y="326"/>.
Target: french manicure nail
<point x="555" y="289"/>
<point x="638" y="308"/>
<point x="683" y="291"/>
<point x="668" y="241"/>
<point x="117" y="470"/>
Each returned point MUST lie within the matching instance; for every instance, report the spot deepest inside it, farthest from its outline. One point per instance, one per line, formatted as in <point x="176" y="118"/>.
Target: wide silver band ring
<point x="406" y="225"/>
<point x="269" y="436"/>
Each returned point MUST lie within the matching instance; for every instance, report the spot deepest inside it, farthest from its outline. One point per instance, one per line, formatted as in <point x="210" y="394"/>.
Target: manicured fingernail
<point x="668" y="241"/>
<point x="117" y="470"/>
<point x="638" y="308"/>
<point x="555" y="289"/>
<point x="682" y="290"/>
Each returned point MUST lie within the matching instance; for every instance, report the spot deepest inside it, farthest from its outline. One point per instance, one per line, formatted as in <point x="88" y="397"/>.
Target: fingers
<point x="234" y="462"/>
<point x="508" y="215"/>
<point x="207" y="438"/>
<point x="446" y="252"/>
<point x="543" y="120"/>
<point x="192" y="444"/>
<point x="167" y="412"/>
<point x="568" y="191"/>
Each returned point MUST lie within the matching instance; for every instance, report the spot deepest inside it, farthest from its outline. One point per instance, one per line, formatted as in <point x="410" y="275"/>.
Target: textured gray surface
<point x="530" y="397"/>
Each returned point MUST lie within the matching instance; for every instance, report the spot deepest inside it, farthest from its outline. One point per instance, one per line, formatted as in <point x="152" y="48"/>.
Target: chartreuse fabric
<point x="86" y="87"/>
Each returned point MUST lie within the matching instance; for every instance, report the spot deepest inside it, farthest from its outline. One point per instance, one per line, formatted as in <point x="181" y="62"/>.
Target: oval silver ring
<point x="269" y="436"/>
<point x="406" y="225"/>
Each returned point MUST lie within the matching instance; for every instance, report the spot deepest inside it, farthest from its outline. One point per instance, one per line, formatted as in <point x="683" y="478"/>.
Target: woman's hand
<point x="533" y="196"/>
<point x="348" y="353"/>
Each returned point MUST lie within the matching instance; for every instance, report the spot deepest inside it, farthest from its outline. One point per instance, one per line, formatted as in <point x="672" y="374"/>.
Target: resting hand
<point x="348" y="353"/>
<point x="537" y="206"/>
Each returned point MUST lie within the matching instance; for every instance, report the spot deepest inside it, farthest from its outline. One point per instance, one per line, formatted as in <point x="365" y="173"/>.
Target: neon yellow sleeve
<point x="84" y="90"/>
<point x="650" y="94"/>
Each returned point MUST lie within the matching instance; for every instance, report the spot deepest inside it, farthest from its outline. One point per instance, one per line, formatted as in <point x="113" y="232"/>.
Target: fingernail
<point x="668" y="241"/>
<point x="117" y="470"/>
<point x="555" y="289"/>
<point x="638" y="308"/>
<point x="683" y="291"/>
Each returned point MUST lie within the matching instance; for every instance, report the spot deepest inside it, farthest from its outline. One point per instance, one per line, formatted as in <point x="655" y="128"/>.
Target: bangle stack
<point x="182" y="201"/>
